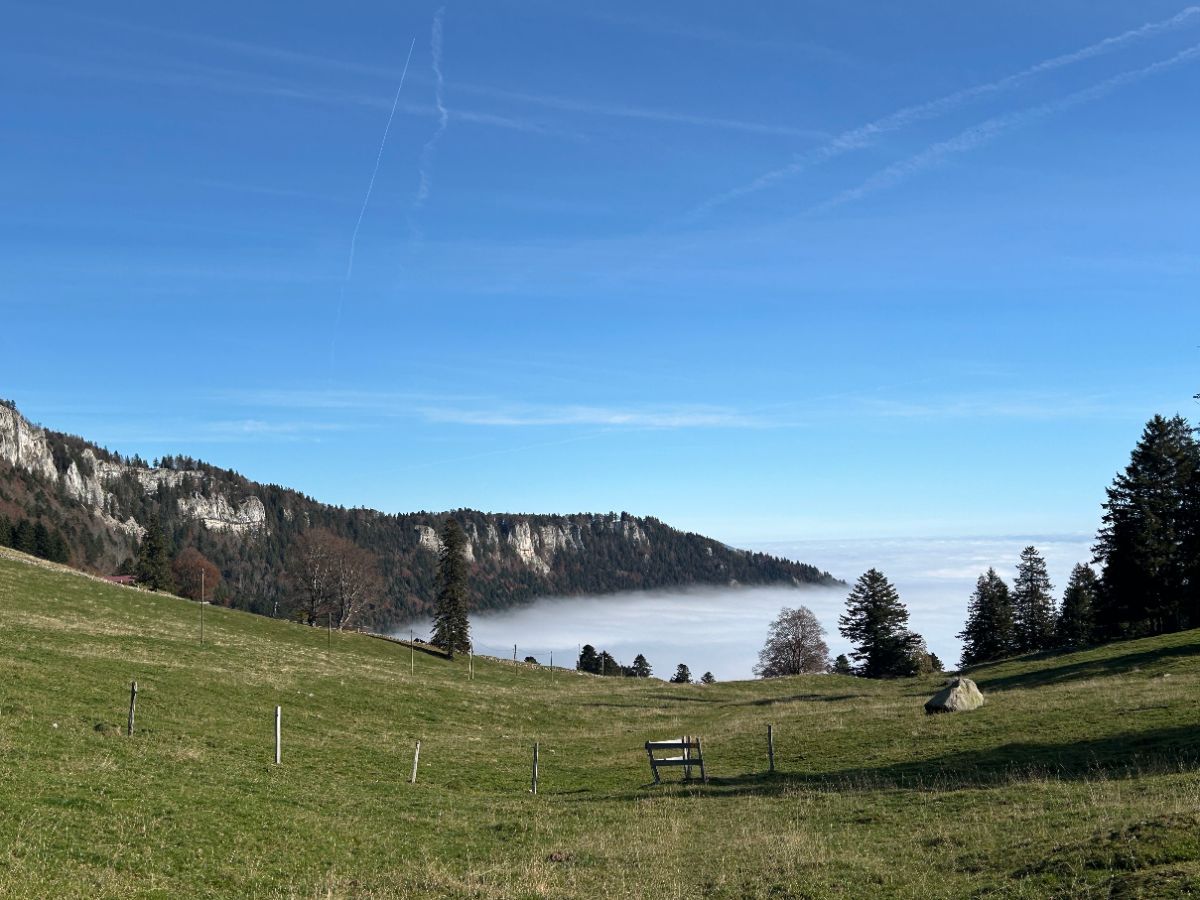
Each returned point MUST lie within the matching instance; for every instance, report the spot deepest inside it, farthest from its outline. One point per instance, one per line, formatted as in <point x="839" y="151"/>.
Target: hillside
<point x="101" y="502"/>
<point x="1077" y="779"/>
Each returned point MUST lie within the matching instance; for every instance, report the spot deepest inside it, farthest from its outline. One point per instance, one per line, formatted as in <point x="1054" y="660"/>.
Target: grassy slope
<point x="1077" y="779"/>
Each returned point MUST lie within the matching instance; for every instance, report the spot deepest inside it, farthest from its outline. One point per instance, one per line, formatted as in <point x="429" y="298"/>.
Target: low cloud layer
<point x="721" y="629"/>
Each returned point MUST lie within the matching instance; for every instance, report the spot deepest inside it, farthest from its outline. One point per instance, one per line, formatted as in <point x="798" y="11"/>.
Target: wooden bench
<point x="690" y="754"/>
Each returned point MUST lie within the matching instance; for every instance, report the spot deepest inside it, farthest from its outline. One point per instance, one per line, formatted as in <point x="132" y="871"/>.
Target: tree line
<point x="34" y="537"/>
<point x="1147" y="550"/>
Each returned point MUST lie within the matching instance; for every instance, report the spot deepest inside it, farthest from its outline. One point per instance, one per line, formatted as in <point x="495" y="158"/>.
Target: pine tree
<point x="5" y="532"/>
<point x="640" y="668"/>
<point x="988" y="632"/>
<point x="1076" y="619"/>
<point x="153" y="566"/>
<point x="608" y="665"/>
<point x="841" y="666"/>
<point x="451" y="629"/>
<point x="876" y="622"/>
<point x="1034" y="616"/>
<point x="708" y="678"/>
<point x="589" y="660"/>
<point x="1149" y="543"/>
<point x="683" y="675"/>
<point x="23" y="538"/>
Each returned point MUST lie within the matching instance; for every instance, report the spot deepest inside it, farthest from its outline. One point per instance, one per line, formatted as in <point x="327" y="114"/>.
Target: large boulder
<point x="959" y="695"/>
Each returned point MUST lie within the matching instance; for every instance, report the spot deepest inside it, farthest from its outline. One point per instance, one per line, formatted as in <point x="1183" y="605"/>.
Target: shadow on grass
<point x="1088" y="668"/>
<point x="1162" y="750"/>
<point x="800" y="698"/>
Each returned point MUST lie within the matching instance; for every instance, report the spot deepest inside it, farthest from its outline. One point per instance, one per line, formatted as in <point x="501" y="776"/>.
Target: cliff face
<point x="102" y="502"/>
<point x="89" y="480"/>
<point x="536" y="546"/>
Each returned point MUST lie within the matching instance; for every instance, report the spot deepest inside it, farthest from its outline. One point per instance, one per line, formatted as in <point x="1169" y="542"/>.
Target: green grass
<point x="1077" y="779"/>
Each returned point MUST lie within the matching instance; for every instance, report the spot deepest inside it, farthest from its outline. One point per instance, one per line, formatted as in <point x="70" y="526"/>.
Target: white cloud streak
<point x="865" y="135"/>
<point x="439" y="91"/>
<point x="989" y="130"/>
<point x="622" y="111"/>
<point x="541" y="416"/>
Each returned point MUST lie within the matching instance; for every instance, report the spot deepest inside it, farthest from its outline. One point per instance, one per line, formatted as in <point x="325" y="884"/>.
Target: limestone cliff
<point x="100" y="501"/>
<point x="85" y="478"/>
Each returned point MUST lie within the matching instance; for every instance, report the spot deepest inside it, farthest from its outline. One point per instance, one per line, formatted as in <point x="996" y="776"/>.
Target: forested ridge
<point x="583" y="553"/>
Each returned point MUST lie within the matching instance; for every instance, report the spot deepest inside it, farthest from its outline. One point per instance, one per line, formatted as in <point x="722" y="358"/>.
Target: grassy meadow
<point x="1077" y="779"/>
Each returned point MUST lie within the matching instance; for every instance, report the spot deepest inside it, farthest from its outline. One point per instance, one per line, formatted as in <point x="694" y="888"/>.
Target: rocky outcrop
<point x="88" y="479"/>
<point x="535" y="546"/>
<point x="959" y="695"/>
<point x="25" y="445"/>
<point x="218" y="514"/>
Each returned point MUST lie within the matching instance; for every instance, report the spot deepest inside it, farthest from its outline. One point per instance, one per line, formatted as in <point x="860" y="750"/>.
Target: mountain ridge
<point x="102" y="502"/>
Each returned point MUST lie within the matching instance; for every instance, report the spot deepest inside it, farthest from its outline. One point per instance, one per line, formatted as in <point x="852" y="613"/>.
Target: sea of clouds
<point x="721" y="629"/>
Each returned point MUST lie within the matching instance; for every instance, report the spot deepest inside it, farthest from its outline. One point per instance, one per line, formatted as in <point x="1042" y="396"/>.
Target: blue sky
<point x="772" y="272"/>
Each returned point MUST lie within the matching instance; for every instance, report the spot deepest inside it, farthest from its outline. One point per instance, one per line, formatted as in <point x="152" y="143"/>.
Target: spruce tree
<point x="640" y="667"/>
<point x="683" y="675"/>
<point x="876" y="622"/>
<point x="608" y="665"/>
<point x="708" y="678"/>
<point x="1034" y="616"/>
<point x="1149" y="543"/>
<point x="451" y="629"/>
<point x="1076" y="619"/>
<point x="153" y="565"/>
<point x="589" y="660"/>
<point x="841" y="666"/>
<point x="988" y="632"/>
<point x="22" y="537"/>
<point x="5" y="532"/>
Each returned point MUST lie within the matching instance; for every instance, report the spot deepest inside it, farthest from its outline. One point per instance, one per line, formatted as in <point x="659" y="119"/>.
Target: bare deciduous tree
<point x="795" y="645"/>
<point x="332" y="577"/>
<point x="195" y="574"/>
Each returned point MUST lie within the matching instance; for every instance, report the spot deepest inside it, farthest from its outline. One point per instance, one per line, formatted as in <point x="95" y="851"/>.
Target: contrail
<point x="443" y="116"/>
<point x="989" y="130"/>
<point x="864" y="135"/>
<point x="363" y="210"/>
<point x="378" y="157"/>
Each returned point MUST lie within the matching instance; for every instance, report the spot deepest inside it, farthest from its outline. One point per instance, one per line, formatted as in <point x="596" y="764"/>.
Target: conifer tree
<point x="1149" y="543"/>
<point x="988" y="632"/>
<point x="640" y="668"/>
<point x="608" y="665"/>
<point x="841" y="666"/>
<point x="1076" y="619"/>
<point x="708" y="678"/>
<point x="23" y="538"/>
<point x="683" y="675"/>
<point x="589" y="660"/>
<point x="153" y="565"/>
<point x="1034" y="616"/>
<point x="451" y="629"/>
<point x="5" y="532"/>
<point x="876" y="622"/>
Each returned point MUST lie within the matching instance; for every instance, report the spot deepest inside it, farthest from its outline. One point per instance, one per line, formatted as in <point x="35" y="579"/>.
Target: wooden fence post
<point x="278" y="735"/>
<point x="416" y="758"/>
<point x="132" y="706"/>
<point x="535" y="767"/>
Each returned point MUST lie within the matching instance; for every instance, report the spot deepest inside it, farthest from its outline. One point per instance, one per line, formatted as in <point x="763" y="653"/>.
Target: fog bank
<point x="721" y="629"/>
